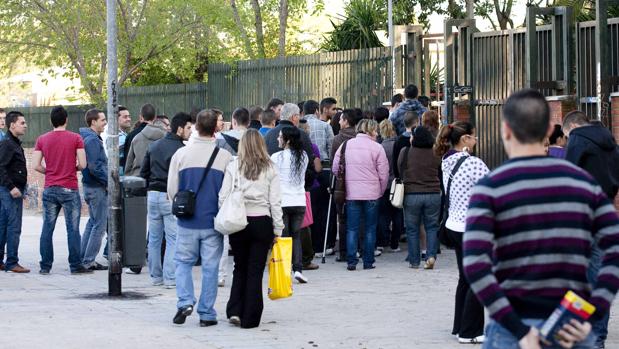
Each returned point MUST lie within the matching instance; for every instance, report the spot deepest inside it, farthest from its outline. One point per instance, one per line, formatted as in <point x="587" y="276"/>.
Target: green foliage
<point x="356" y="31"/>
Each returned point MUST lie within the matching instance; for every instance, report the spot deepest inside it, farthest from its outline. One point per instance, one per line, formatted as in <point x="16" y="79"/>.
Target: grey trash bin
<point x="133" y="192"/>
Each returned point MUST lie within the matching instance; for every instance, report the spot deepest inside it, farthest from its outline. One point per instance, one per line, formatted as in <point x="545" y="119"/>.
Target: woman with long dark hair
<point x="453" y="144"/>
<point x="292" y="163"/>
<point x="257" y="178"/>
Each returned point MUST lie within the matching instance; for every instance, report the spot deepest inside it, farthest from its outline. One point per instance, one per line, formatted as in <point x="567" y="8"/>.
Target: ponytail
<point x="449" y="136"/>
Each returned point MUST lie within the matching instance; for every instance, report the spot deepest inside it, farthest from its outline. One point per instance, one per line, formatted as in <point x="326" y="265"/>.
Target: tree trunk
<point x="239" y="24"/>
<point x="283" y="24"/>
<point x="258" y="23"/>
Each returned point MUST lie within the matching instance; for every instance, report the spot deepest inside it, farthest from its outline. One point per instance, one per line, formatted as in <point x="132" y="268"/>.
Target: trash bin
<point x="133" y="193"/>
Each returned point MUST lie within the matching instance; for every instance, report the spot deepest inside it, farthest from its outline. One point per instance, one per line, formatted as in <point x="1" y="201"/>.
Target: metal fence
<point x="356" y="78"/>
<point x="167" y="99"/>
<point x="38" y="121"/>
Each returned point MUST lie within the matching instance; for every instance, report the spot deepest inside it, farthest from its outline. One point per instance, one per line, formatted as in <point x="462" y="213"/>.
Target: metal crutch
<point x="324" y="247"/>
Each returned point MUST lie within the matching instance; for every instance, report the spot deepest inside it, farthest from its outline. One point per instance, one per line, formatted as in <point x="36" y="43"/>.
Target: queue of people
<point x="524" y="234"/>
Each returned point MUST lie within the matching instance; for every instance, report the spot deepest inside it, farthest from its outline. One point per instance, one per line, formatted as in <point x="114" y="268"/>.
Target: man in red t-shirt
<point x="64" y="155"/>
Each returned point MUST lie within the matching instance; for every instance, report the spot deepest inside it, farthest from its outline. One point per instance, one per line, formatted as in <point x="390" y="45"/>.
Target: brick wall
<point x="36" y="184"/>
<point x="461" y="111"/>
<point x="559" y="107"/>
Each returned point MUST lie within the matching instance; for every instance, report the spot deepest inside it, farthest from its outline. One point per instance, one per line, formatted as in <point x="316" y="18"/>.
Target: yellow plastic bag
<point x="280" y="267"/>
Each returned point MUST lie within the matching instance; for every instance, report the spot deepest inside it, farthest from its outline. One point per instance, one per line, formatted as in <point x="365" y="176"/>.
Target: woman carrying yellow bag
<point x="260" y="184"/>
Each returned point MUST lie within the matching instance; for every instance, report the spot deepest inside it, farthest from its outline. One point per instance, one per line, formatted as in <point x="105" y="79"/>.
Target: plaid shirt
<point x="321" y="134"/>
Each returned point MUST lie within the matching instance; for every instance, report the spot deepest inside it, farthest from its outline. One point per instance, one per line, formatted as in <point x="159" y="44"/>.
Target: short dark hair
<point x="121" y="108"/>
<point x="241" y="115"/>
<point x="92" y="115"/>
<point x="2" y="110"/>
<point x="352" y="116"/>
<point x="58" y="116"/>
<point x="327" y="102"/>
<point x="397" y="98"/>
<point x="411" y="92"/>
<point x="148" y="112"/>
<point x="556" y="134"/>
<point x="274" y="102"/>
<point x="12" y="117"/>
<point x="575" y="117"/>
<point x="411" y="119"/>
<point x="528" y="115"/>
<point x="162" y="117"/>
<point x="310" y="107"/>
<point x="206" y="122"/>
<point x="255" y="112"/>
<point x="424" y="100"/>
<point x="380" y="114"/>
<point x="267" y="117"/>
<point x="179" y="120"/>
<point x="300" y="105"/>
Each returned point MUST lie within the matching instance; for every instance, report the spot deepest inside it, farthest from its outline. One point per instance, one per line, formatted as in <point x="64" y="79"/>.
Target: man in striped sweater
<point x="530" y="226"/>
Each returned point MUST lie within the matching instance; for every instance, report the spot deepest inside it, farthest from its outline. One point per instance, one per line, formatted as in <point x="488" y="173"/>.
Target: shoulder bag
<point x="340" y="183"/>
<point x="184" y="203"/>
<point x="396" y="194"/>
<point x="443" y="237"/>
<point x="232" y="216"/>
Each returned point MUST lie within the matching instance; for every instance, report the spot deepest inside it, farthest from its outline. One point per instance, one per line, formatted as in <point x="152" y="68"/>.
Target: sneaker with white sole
<point x="377" y="253"/>
<point x="476" y="340"/>
<point x="300" y="277"/>
<point x="394" y="250"/>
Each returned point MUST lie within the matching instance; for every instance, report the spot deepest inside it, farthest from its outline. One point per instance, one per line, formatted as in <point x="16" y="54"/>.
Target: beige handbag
<point x="396" y="194"/>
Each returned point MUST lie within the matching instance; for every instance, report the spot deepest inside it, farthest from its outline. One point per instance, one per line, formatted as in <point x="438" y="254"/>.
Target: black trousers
<point x="293" y="218"/>
<point x="469" y="313"/>
<point x="251" y="247"/>
<point x="320" y="210"/>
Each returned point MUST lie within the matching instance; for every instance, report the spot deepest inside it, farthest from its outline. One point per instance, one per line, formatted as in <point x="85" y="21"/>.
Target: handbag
<point x="308" y="218"/>
<point x="396" y="194"/>
<point x="340" y="184"/>
<point x="443" y="237"/>
<point x="232" y="216"/>
<point x="184" y="202"/>
<point x="280" y="269"/>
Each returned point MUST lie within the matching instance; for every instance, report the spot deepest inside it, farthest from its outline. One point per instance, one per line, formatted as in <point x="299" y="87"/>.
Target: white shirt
<point x="293" y="189"/>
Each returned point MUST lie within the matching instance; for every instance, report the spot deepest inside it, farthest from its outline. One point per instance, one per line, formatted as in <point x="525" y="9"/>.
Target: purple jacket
<point x="367" y="168"/>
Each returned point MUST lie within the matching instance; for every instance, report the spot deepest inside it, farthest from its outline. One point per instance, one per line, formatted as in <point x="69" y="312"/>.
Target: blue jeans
<point x="354" y="210"/>
<point x="599" y="328"/>
<point x="498" y="337"/>
<point x="161" y="221"/>
<point x="55" y="198"/>
<point x="421" y="208"/>
<point x="96" y="198"/>
<point x="191" y="244"/>
<point x="10" y="226"/>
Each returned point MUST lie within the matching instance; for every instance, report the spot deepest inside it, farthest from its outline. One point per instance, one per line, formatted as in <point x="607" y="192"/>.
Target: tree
<point x="283" y="25"/>
<point x="71" y="34"/>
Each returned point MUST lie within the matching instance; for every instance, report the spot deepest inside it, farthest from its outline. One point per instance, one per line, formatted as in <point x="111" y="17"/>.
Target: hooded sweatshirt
<point x="594" y="149"/>
<point x="139" y="146"/>
<point x="95" y="173"/>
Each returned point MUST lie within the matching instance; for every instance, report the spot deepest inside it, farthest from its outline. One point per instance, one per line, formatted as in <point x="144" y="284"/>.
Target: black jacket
<point x="13" y="171"/>
<point x="273" y="145"/>
<point x="594" y="149"/>
<point x="128" y="140"/>
<point x="157" y="161"/>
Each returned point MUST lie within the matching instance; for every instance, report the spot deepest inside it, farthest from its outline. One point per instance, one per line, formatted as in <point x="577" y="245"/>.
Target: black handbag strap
<point x="451" y="176"/>
<point x="342" y="168"/>
<point x="208" y="167"/>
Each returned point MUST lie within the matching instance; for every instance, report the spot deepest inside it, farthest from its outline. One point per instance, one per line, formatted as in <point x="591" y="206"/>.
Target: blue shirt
<point x="263" y="130"/>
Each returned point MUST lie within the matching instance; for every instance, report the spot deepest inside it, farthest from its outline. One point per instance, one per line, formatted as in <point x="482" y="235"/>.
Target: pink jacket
<point x="367" y="168"/>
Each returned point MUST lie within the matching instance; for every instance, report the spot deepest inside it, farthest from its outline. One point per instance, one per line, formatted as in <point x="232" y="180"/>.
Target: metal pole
<point x="391" y="43"/>
<point x="113" y="186"/>
<point x="470" y="9"/>
<point x="601" y="64"/>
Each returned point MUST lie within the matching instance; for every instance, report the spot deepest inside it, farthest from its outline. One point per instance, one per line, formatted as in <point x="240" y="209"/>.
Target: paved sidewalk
<point x="391" y="306"/>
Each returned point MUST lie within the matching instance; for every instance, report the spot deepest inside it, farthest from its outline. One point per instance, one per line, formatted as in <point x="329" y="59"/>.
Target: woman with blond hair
<point x="259" y="181"/>
<point x="366" y="175"/>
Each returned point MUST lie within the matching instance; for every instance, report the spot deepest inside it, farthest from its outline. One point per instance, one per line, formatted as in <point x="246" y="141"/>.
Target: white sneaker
<point x="476" y="340"/>
<point x="329" y="252"/>
<point x="377" y="253"/>
<point x="300" y="277"/>
<point x="380" y="248"/>
<point x="395" y="250"/>
<point x="221" y="283"/>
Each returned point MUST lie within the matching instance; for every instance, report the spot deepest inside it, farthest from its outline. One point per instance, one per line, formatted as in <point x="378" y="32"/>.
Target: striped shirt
<point x="529" y="230"/>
